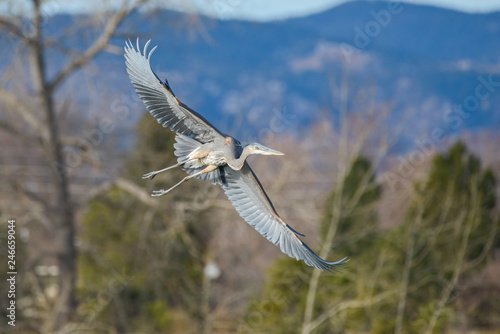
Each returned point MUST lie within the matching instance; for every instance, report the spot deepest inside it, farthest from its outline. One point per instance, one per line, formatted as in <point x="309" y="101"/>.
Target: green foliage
<point x="141" y="267"/>
<point x="454" y="208"/>
<point x="460" y="176"/>
<point x="357" y="199"/>
<point x="153" y="148"/>
<point x="442" y="242"/>
<point x="283" y="302"/>
<point x="113" y="267"/>
<point x="404" y="279"/>
<point x="281" y="308"/>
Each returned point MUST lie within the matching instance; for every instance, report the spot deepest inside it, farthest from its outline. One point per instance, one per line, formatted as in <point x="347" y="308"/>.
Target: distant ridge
<point x="422" y="58"/>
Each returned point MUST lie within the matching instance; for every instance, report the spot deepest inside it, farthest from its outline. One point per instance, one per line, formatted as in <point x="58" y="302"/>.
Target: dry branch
<point x="99" y="44"/>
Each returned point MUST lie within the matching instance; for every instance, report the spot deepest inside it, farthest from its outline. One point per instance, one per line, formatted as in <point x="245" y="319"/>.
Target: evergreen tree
<point x="451" y="229"/>
<point x="283" y="302"/>
<point x="141" y="266"/>
<point x="404" y="279"/>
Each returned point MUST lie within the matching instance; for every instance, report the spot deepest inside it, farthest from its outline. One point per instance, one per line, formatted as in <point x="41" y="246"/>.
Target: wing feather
<point x="252" y="203"/>
<point x="159" y="99"/>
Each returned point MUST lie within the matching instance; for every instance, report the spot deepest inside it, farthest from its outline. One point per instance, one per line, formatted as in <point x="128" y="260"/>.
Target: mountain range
<point x="426" y="63"/>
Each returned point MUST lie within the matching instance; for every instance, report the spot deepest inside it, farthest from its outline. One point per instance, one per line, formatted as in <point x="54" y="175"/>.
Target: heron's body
<point x="205" y="153"/>
<point x="219" y="153"/>
<point x="206" y="156"/>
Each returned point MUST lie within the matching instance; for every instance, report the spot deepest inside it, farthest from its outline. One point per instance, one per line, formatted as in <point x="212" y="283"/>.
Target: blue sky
<point x="260" y="10"/>
<point x="263" y="10"/>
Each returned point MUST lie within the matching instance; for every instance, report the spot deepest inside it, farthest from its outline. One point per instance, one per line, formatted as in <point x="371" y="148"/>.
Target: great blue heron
<point x="205" y="153"/>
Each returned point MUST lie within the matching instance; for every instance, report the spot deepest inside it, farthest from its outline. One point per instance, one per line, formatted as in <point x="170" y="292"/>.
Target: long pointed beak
<point x="274" y="152"/>
<point x="270" y="151"/>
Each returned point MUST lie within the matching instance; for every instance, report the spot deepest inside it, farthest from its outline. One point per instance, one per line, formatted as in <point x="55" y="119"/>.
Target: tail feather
<point x="184" y="146"/>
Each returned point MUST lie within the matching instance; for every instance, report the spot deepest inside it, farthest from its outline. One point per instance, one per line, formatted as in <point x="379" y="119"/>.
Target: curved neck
<point x="237" y="164"/>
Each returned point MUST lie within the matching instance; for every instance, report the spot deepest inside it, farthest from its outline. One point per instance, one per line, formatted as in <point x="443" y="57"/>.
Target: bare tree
<point x="350" y="141"/>
<point x="36" y="120"/>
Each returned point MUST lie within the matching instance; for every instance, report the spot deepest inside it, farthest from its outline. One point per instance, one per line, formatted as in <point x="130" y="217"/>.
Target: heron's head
<point x="256" y="148"/>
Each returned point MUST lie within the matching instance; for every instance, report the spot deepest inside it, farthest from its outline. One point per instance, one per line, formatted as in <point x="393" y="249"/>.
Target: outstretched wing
<point x="160" y="100"/>
<point x="252" y="203"/>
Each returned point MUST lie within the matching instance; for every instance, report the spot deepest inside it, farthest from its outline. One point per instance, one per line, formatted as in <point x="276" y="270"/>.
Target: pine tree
<point x="404" y="279"/>
<point x="450" y="231"/>
<point x="142" y="265"/>
<point x="282" y="304"/>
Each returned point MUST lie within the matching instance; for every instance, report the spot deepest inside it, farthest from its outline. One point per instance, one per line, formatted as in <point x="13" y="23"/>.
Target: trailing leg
<point x="151" y="175"/>
<point x="158" y="193"/>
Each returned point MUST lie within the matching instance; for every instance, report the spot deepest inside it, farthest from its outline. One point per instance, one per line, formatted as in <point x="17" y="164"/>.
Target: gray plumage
<point x="205" y="153"/>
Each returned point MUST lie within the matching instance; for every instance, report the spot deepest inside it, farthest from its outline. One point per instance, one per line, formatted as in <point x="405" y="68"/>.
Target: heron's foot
<point x="158" y="193"/>
<point x="150" y="175"/>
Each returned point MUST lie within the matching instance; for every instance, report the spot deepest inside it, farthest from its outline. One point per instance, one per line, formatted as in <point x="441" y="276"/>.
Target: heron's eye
<point x="257" y="148"/>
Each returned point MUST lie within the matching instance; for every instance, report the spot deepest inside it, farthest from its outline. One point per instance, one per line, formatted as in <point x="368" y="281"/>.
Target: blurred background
<point x="389" y="116"/>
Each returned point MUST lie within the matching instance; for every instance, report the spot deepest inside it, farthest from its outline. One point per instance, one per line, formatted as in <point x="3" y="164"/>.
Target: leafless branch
<point x="470" y="222"/>
<point x="100" y="43"/>
<point x="126" y="185"/>
<point x="13" y="130"/>
<point x="14" y="104"/>
<point x="405" y="281"/>
<point x="11" y="27"/>
<point x="347" y="305"/>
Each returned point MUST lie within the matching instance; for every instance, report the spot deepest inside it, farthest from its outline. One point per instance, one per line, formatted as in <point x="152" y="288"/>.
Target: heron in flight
<point x="207" y="154"/>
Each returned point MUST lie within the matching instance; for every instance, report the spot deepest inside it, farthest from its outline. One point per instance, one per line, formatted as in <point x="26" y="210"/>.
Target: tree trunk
<point x="62" y="211"/>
